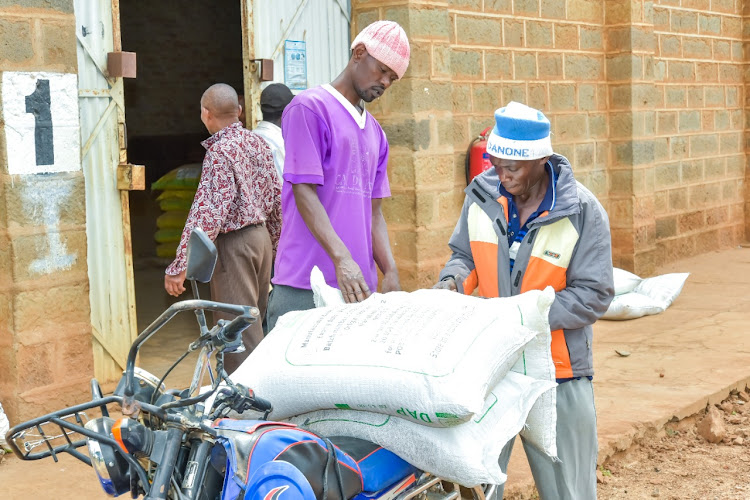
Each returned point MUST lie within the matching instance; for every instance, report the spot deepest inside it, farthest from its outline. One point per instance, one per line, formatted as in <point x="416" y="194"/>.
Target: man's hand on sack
<point x="446" y="284"/>
<point x="175" y="285"/>
<point x="351" y="282"/>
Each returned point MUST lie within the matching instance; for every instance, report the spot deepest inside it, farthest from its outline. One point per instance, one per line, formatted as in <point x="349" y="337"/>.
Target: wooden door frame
<point x="250" y="80"/>
<point x="252" y="112"/>
<point x="124" y="194"/>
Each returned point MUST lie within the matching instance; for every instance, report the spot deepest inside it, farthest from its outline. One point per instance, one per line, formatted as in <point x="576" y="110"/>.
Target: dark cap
<point x="274" y="98"/>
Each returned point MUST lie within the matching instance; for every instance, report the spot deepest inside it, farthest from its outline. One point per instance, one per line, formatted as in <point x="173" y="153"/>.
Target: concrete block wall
<point x="417" y="114"/>
<point x="699" y="164"/>
<point x="45" y="327"/>
<point x="631" y="99"/>
<point x="468" y="59"/>
<point x="646" y="98"/>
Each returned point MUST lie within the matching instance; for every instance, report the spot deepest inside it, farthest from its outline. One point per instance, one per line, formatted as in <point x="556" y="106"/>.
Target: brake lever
<point x="209" y="336"/>
<point x="236" y="397"/>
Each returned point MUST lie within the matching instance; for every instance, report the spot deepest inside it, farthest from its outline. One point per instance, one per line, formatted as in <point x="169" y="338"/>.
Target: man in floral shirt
<point x="238" y="205"/>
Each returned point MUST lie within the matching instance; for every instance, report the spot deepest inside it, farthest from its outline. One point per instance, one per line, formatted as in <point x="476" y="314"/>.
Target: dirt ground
<point x="677" y="463"/>
<point x="681" y="464"/>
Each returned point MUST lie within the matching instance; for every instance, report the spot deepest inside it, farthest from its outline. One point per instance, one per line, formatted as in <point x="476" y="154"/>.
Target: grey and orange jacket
<point x="568" y="248"/>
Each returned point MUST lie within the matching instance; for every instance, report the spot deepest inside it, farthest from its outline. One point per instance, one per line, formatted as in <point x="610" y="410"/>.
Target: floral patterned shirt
<point x="239" y="186"/>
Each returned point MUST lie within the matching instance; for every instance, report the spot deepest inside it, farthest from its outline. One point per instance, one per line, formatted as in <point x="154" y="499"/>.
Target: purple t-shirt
<point x="327" y="146"/>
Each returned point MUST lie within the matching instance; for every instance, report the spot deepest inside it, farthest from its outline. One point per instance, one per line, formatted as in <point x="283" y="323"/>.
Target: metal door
<point x="322" y="24"/>
<point x="110" y="264"/>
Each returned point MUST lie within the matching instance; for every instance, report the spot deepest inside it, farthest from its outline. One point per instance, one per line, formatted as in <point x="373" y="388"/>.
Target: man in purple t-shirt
<point x="335" y="178"/>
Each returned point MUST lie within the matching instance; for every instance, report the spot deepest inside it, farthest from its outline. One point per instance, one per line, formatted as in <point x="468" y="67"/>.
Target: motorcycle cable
<point x="223" y="375"/>
<point x="161" y="381"/>
<point x="191" y="401"/>
<point x="176" y="487"/>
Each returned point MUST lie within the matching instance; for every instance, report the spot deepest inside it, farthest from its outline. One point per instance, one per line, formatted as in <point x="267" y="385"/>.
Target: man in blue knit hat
<point x="525" y="225"/>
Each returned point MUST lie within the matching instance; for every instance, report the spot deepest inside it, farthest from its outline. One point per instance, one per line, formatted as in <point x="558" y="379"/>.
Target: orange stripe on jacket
<point x="561" y="355"/>
<point x="540" y="274"/>
<point x="485" y="258"/>
<point x="470" y="283"/>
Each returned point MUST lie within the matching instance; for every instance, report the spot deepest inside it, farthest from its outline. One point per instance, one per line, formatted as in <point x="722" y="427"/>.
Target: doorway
<point x="182" y="48"/>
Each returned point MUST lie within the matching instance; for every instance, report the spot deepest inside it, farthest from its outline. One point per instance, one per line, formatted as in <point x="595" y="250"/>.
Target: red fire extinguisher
<point x="477" y="159"/>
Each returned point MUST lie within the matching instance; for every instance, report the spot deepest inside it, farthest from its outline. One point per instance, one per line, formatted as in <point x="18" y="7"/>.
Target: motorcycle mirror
<point x="201" y="256"/>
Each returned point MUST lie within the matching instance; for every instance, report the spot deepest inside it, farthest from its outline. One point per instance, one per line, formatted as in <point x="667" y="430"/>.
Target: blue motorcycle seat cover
<point x="251" y="444"/>
<point x="380" y="467"/>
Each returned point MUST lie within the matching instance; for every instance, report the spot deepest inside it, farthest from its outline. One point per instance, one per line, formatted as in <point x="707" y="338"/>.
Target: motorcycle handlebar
<point x="185" y="305"/>
<point x="261" y="404"/>
<point x="235" y="327"/>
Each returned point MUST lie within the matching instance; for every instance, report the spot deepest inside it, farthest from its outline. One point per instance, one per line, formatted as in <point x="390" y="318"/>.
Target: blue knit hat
<point x="520" y="133"/>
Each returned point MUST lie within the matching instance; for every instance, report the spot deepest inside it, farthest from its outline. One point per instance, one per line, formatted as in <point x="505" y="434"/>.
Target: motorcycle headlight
<point x="145" y="385"/>
<point x="111" y="468"/>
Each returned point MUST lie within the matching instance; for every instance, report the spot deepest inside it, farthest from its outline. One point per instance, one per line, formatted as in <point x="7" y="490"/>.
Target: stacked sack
<point x="177" y="188"/>
<point x="636" y="297"/>
<point x="436" y="377"/>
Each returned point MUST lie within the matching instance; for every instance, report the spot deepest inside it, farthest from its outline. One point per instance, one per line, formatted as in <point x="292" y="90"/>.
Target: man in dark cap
<point x="273" y="100"/>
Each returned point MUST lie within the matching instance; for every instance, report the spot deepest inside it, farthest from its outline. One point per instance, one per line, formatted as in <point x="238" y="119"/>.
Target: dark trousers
<point x="285" y="299"/>
<point x="242" y="276"/>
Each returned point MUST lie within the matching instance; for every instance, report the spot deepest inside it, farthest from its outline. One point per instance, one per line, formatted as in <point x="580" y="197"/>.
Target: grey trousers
<point x="284" y="299"/>
<point x="574" y="476"/>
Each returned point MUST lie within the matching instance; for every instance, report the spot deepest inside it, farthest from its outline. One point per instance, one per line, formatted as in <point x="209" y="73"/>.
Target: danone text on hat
<point x="520" y="133"/>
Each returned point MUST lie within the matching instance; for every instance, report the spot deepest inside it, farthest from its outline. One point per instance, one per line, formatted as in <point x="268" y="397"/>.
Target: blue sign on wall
<point x="295" y="64"/>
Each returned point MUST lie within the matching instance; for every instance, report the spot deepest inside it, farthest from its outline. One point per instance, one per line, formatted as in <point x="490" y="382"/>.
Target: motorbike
<point x="179" y="444"/>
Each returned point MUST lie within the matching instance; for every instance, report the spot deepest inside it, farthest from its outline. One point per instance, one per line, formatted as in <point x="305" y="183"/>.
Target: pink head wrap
<point x="386" y="41"/>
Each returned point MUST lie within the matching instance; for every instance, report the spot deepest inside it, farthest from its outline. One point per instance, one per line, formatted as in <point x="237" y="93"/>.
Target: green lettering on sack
<point x="446" y="415"/>
<point x="342" y="406"/>
<point x="408" y="413"/>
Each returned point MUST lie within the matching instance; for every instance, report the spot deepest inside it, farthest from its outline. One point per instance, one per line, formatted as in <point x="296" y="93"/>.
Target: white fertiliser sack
<point x="4" y="427"/>
<point x="466" y="454"/>
<point x="323" y="294"/>
<point x="541" y="425"/>
<point x="650" y="296"/>
<point x="536" y="361"/>
<point x="625" y="282"/>
<point x="430" y="356"/>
